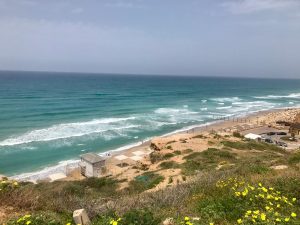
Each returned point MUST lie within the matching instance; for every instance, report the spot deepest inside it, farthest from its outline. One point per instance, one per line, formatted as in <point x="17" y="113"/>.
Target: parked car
<point x="268" y="140"/>
<point x="282" y="144"/>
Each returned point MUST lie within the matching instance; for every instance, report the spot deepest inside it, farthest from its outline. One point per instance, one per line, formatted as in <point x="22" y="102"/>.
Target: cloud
<point x="252" y="6"/>
<point x="124" y="4"/>
<point x="77" y="10"/>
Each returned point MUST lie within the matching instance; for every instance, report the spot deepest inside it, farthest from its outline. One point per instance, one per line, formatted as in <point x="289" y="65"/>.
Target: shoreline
<point x="62" y="166"/>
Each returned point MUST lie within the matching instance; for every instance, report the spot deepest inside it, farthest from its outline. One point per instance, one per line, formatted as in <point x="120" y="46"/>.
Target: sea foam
<point x="68" y="130"/>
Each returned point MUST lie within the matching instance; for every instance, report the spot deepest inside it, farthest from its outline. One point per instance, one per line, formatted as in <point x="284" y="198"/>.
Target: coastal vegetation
<point x="231" y="182"/>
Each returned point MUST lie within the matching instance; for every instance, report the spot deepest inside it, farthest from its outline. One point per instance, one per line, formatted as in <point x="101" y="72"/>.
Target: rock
<point x="80" y="217"/>
<point x="168" y="221"/>
<point x="280" y="167"/>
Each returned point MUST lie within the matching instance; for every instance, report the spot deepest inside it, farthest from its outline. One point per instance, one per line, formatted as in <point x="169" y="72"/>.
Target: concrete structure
<point x="91" y="165"/>
<point x="80" y="217"/>
<point x="253" y="136"/>
<point x="295" y="128"/>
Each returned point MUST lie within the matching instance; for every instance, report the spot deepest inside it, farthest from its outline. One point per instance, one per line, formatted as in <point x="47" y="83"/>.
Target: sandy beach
<point x="127" y="164"/>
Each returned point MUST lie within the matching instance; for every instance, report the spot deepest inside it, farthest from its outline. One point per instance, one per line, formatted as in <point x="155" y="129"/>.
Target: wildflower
<point x="294" y="199"/>
<point x="263" y="216"/>
<point x="293" y="214"/>
<point x="28" y="222"/>
<point x="287" y="219"/>
<point x="239" y="221"/>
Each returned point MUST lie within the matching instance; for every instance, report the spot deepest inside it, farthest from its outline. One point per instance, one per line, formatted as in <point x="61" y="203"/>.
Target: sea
<point x="47" y="120"/>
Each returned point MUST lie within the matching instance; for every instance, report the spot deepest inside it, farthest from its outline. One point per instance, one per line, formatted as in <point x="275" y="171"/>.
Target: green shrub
<point x="36" y="220"/>
<point x="294" y="158"/>
<point x="155" y="157"/>
<point x="145" y="181"/>
<point x="237" y="134"/>
<point x="169" y="147"/>
<point x="187" y="151"/>
<point x="139" y="217"/>
<point x="168" y="165"/>
<point x="249" y="145"/>
<point x="200" y="136"/>
<point x="168" y="155"/>
<point x="177" y="152"/>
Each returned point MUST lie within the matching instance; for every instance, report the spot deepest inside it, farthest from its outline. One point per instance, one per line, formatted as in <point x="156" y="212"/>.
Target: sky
<point x="244" y="38"/>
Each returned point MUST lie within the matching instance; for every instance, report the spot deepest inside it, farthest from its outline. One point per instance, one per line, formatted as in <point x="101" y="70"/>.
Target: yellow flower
<point x="28" y="222"/>
<point x="68" y="224"/>
<point x="256" y="212"/>
<point x="287" y="219"/>
<point x="293" y="214"/>
<point x="294" y="199"/>
<point x="239" y="221"/>
<point x="211" y="223"/>
<point x="263" y="216"/>
<point x="186" y="218"/>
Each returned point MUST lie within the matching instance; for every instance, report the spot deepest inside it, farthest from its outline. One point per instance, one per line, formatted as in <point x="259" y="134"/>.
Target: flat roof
<point x="91" y="157"/>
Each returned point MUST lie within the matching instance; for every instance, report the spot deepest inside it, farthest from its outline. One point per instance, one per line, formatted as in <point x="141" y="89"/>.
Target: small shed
<point x="91" y="165"/>
<point x="253" y="136"/>
<point x="295" y="128"/>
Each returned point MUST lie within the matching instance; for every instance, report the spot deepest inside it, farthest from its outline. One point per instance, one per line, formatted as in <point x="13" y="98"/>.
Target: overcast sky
<point x="259" y="38"/>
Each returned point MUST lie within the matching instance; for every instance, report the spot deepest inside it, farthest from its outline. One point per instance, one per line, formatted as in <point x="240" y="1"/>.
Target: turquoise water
<point x="48" y="118"/>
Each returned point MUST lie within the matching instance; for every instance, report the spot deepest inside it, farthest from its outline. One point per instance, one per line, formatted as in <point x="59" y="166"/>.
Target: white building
<point x="91" y="165"/>
<point x="253" y="136"/>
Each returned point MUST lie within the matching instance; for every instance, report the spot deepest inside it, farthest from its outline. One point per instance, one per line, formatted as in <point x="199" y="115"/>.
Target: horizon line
<point x="146" y="74"/>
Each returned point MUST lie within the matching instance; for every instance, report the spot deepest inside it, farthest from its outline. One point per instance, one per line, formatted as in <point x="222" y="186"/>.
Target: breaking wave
<point x="69" y="130"/>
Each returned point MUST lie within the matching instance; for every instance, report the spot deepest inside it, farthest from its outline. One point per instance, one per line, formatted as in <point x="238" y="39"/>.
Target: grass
<point x="168" y="156"/>
<point x="187" y="151"/>
<point x="177" y="152"/>
<point x="206" y="160"/>
<point x="145" y="181"/>
<point x="200" y="136"/>
<point x="249" y="145"/>
<point x="169" y="165"/>
<point x="294" y="158"/>
<point x="237" y="135"/>
<point x="196" y="197"/>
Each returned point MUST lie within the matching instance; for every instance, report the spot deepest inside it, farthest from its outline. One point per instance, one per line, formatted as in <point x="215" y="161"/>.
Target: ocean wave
<point x="174" y="111"/>
<point x="293" y="95"/>
<point x="224" y="107"/>
<point x="228" y="99"/>
<point x="69" y="130"/>
<point x="72" y="163"/>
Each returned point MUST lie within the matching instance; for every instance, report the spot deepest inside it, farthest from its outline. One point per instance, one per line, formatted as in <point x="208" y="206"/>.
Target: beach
<point x="46" y="127"/>
<point x="198" y="138"/>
